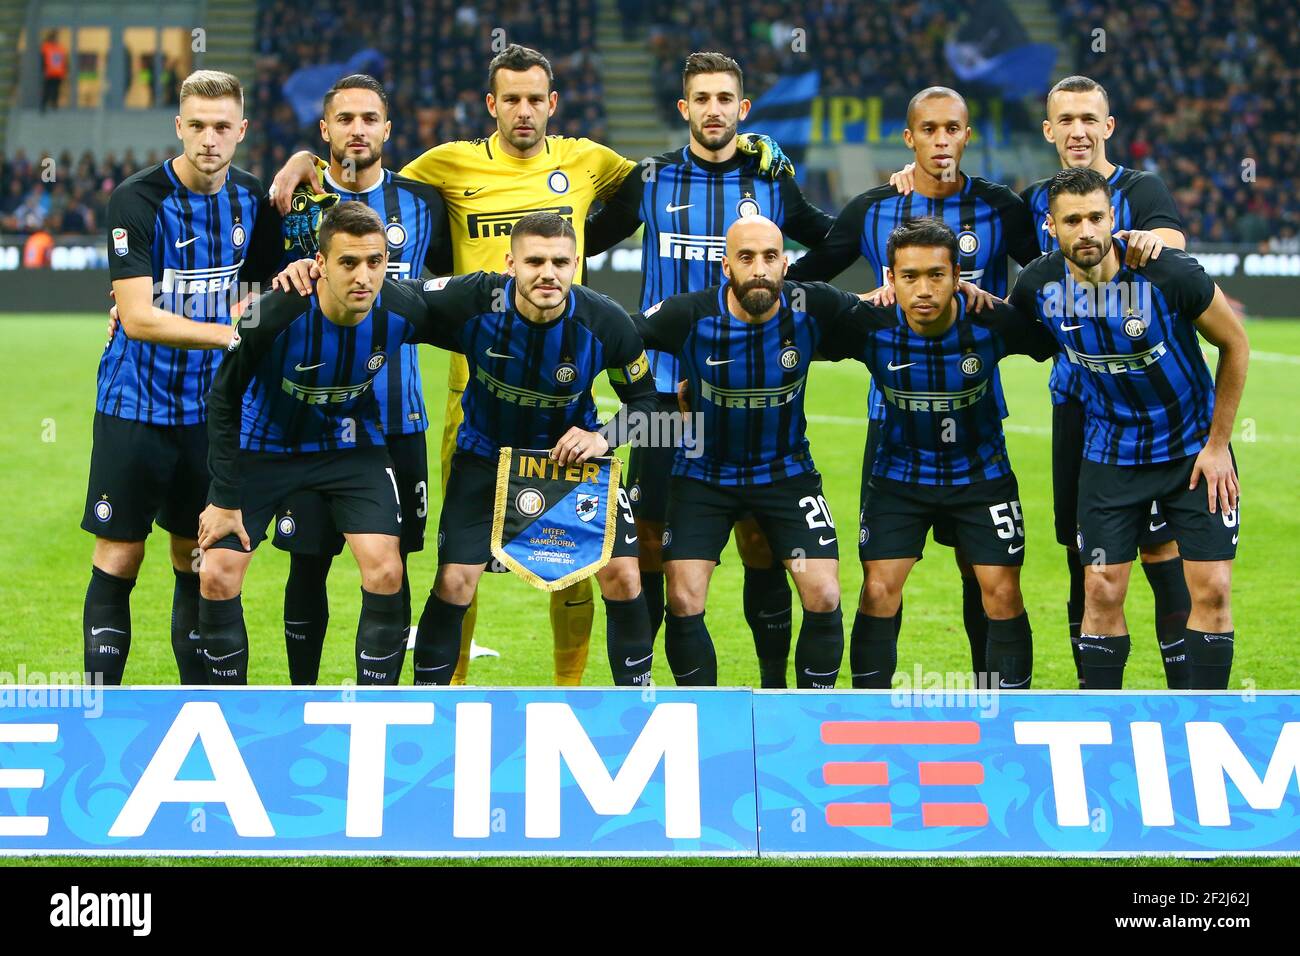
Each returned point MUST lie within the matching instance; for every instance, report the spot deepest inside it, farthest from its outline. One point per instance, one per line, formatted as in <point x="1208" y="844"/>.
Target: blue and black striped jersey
<point x="196" y="248"/>
<point x="1140" y="200"/>
<point x="530" y="382"/>
<point x="746" y="380"/>
<point x="295" y="381"/>
<point x="687" y="205"/>
<point x="1147" y="392"/>
<point x="415" y="225"/>
<point x="942" y="422"/>
<point x="990" y="220"/>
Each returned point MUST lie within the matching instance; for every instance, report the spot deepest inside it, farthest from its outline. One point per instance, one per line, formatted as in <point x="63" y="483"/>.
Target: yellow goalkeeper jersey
<point x="487" y="191"/>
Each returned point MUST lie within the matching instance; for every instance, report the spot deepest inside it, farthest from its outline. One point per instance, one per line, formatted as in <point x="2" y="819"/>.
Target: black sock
<point x="1103" y="658"/>
<point x="1173" y="604"/>
<point x="1209" y="655"/>
<point x="224" y="640"/>
<point x="873" y="651"/>
<point x="977" y="623"/>
<point x="186" y="646"/>
<point x="768" y="612"/>
<point x="437" y="640"/>
<point x="898" y="620"/>
<point x="652" y="587"/>
<point x="306" y="615"/>
<point x="106" y="627"/>
<point x="1074" y="610"/>
<point x="690" y="652"/>
<point x="381" y="639"/>
<point x="1011" y="652"/>
<point x="820" y="650"/>
<point x="629" y="642"/>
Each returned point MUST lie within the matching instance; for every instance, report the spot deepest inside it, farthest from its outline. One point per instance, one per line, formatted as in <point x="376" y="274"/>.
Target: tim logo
<point x="491" y="224"/>
<point x="934" y="773"/>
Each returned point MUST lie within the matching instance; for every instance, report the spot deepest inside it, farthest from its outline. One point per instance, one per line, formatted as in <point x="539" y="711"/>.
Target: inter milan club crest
<point x="565" y="373"/>
<point x="1134" y="327"/>
<point x="748" y="206"/>
<point x="395" y="234"/>
<point x="238" y="235"/>
<point x="287" y="525"/>
<point x="968" y="243"/>
<point x="376" y="362"/>
<point x="789" y="357"/>
<point x="634" y="493"/>
<point x="103" y="510"/>
<point x="971" y="365"/>
<point x="530" y="502"/>
<point x="558" y="182"/>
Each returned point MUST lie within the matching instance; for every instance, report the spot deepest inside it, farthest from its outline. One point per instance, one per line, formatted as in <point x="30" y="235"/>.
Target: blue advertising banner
<point x="394" y="771"/>
<point x="1065" y="773"/>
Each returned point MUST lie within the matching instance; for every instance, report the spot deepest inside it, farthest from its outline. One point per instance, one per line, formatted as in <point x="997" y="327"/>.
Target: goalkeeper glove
<point x="772" y="163"/>
<point x="302" y="222"/>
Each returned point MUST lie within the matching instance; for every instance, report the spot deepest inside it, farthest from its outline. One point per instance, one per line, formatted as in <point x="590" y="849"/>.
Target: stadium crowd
<point x="61" y="194"/>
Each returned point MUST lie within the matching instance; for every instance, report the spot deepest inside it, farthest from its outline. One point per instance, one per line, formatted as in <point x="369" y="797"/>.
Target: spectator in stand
<point x="54" y="69"/>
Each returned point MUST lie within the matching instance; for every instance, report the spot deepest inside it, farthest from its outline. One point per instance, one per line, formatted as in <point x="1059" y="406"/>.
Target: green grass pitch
<point x="47" y="393"/>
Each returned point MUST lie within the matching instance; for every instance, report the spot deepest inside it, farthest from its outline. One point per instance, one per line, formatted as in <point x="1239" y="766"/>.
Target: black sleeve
<point x="1152" y="205"/>
<point x="274" y="312"/>
<point x="131" y="217"/>
<point x="802" y="221"/>
<point x="1019" y="334"/>
<point x="438" y="257"/>
<point x="451" y="301"/>
<point x="1024" y="296"/>
<point x="266" y="248"/>
<point x="629" y="373"/>
<point x="846" y="321"/>
<point x="620" y="217"/>
<point x="1183" y="282"/>
<point x="665" y="325"/>
<point x="838" y="250"/>
<point x="404" y="298"/>
<point x="1018" y="227"/>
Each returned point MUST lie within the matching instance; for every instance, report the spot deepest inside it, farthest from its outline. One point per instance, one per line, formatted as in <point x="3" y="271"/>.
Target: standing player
<point x="355" y="124"/>
<point x="941" y="455"/>
<point x="293" y="409"/>
<point x="181" y="234"/>
<point x="991" y="223"/>
<point x="744" y="349"/>
<point x="488" y="185"/>
<point x="534" y="344"/>
<point x="1156" y="425"/>
<point x="687" y="199"/>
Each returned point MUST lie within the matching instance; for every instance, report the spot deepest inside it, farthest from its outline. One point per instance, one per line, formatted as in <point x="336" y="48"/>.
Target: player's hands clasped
<point x="299" y="276"/>
<point x="577" y="445"/>
<point x="1143" y="246"/>
<point x="215" y="523"/>
<point x="1222" y="489"/>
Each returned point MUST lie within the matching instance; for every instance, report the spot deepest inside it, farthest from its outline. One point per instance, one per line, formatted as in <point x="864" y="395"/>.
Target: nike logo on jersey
<point x="898" y="368"/>
<point x="182" y="245"/>
<point x="631" y="663"/>
<point x="677" y="208"/>
<point x="1069" y="328"/>
<point x="710" y="363"/>
<point x="1151" y="526"/>
<point x="101" y="630"/>
<point x="1015" y="549"/>
<point x="629" y="539"/>
<point x="307" y="368"/>
<point x="470" y="192"/>
<point x="492" y="354"/>
<point x="824" y="541"/>
<point x="386" y="657"/>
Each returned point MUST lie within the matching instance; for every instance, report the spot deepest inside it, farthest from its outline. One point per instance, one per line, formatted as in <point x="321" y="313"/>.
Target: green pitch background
<point x="47" y="394"/>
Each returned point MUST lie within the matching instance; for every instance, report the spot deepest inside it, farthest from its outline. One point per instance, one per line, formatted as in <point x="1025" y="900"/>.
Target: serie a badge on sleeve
<point x="553" y="525"/>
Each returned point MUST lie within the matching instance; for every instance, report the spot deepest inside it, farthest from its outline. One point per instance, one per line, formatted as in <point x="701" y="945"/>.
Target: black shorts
<point x="648" y="470"/>
<point x="944" y="531"/>
<point x="141" y="472"/>
<point x="985" y="516"/>
<point x="357" y="485"/>
<point x="1115" y="503"/>
<point x="312" y="530"/>
<point x="1067" y="457"/>
<point x="792" y="512"/>
<point x="465" y="526"/>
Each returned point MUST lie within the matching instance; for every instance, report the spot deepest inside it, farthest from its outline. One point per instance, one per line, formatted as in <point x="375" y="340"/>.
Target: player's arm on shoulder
<point x="439" y="258"/>
<point x="302" y="168"/>
<point x="621" y="214"/>
<point x="611" y="169"/>
<point x="804" y="222"/>
<point x="837" y="250"/>
<point x="265" y="246"/>
<point x="1019" y="334"/>
<point x="1017" y="225"/>
<point x="628" y="370"/>
<point x="1154" y="210"/>
<point x="846" y="321"/>
<point x="664" y="325"/>
<point x="145" y="322"/>
<point x="451" y="301"/>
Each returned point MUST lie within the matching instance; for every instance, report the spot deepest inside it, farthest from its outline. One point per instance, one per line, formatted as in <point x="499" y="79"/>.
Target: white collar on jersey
<point x="344" y="189"/>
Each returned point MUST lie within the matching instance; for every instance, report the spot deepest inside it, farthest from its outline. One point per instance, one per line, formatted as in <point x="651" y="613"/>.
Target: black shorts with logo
<point x="1115" y="507"/>
<point x="465" y="526"/>
<point x="356" y="484"/>
<point x="944" y="532"/>
<point x="1067" y="457"/>
<point x="792" y="512"/>
<point x="141" y="472"/>
<point x="985" y="517"/>
<point x="648" y="471"/>
<point x="310" y="526"/>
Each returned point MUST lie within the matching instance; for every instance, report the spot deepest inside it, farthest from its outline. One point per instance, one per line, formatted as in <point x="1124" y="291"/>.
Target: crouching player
<point x="942" y="454"/>
<point x="292" y="409"/>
